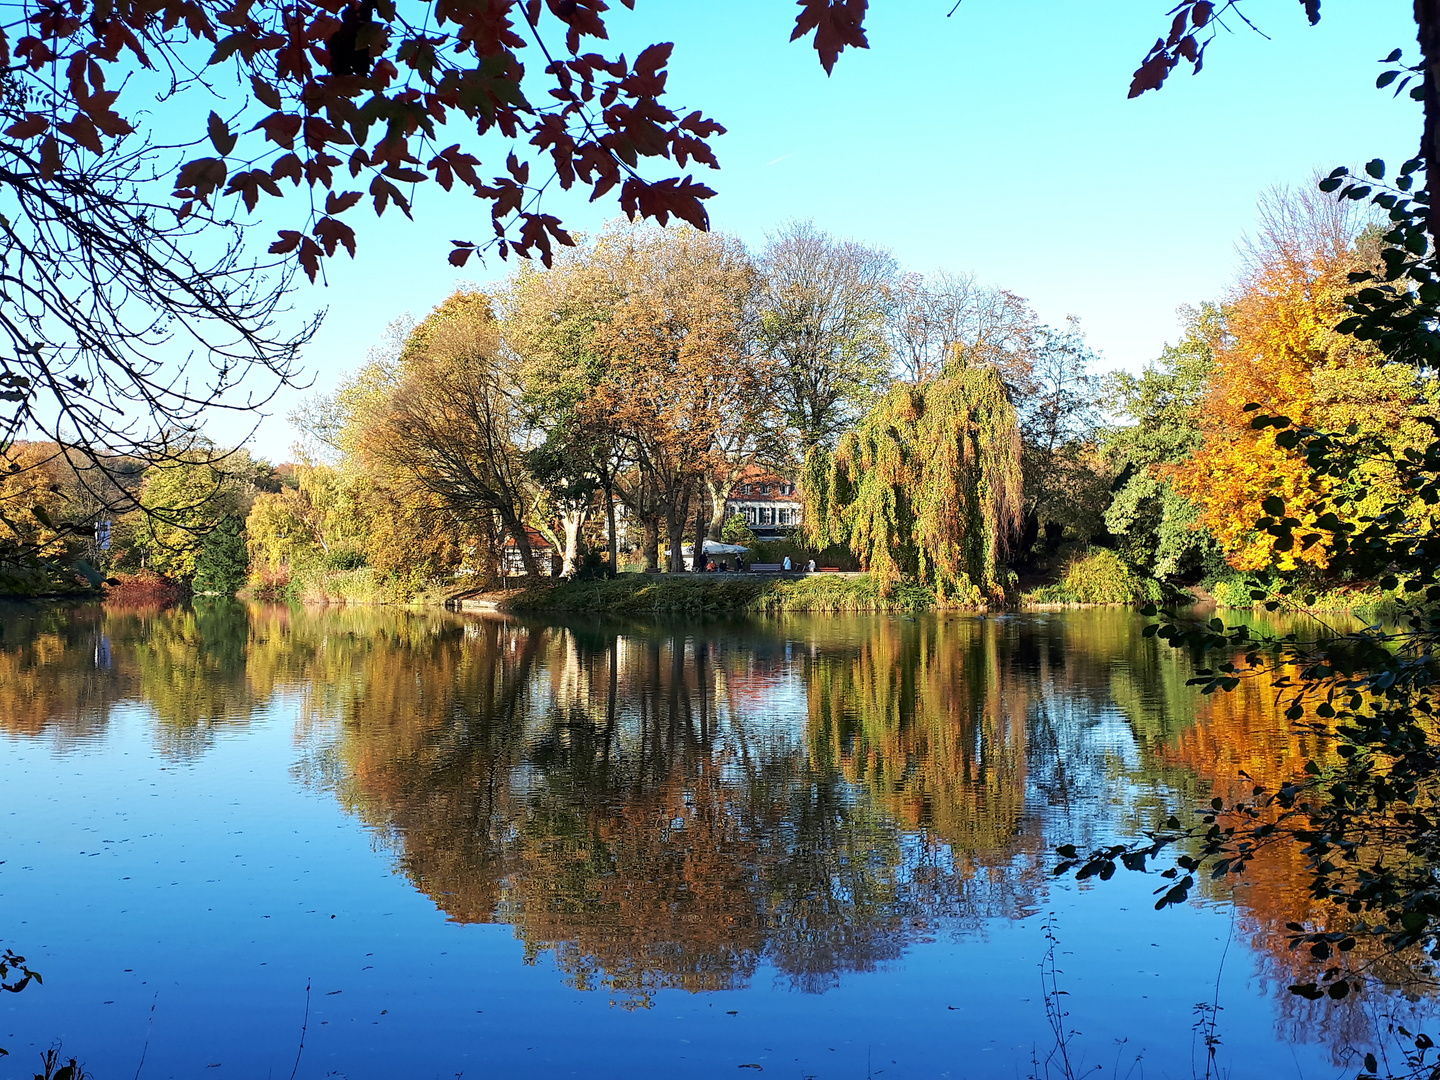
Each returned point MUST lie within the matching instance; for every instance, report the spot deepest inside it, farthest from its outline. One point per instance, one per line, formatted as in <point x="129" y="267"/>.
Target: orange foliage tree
<point x="680" y="374"/>
<point x="1278" y="349"/>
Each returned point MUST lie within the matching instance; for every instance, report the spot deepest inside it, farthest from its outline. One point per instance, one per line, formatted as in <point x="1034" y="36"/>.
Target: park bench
<point x="829" y="570"/>
<point x="766" y="568"/>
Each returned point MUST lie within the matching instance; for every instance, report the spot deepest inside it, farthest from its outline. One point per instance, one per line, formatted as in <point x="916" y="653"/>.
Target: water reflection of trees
<point x="669" y="809"/>
<point x="673" y="808"/>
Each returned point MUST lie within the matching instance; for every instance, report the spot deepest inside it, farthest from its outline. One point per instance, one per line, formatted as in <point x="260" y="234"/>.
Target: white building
<point x="771" y="505"/>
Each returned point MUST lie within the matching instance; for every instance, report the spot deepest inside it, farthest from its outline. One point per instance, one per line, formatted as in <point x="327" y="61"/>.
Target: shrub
<point x="1099" y="576"/>
<point x="142" y="587"/>
<point x="737" y="531"/>
<point x="345" y="558"/>
<point x="1231" y="591"/>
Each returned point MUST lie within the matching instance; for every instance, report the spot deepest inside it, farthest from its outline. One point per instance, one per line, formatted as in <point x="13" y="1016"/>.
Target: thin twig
<point x="149" y="1027"/>
<point x="304" y="1026"/>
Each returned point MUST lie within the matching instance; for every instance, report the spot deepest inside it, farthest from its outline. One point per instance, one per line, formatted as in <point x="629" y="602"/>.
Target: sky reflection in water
<point x="820" y="846"/>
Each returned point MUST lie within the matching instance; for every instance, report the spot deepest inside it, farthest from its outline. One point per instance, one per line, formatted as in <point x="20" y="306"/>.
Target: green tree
<point x="184" y="501"/>
<point x="223" y="562"/>
<point x="1056" y="395"/>
<point x="1156" y="527"/>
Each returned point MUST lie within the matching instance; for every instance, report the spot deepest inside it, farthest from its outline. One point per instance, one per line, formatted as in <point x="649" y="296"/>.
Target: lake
<point x="264" y="841"/>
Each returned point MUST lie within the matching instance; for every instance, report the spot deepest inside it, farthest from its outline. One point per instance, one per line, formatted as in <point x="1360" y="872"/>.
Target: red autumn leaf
<point x="203" y="175"/>
<point x="112" y="124"/>
<point x="338" y="204"/>
<point x="83" y="131"/>
<point x="33" y="124"/>
<point x="309" y="257"/>
<point x="221" y="137"/>
<point x="461" y="255"/>
<point x="289" y="241"/>
<point x="249" y="184"/>
<point x="332" y="233"/>
<point x="1177" y="26"/>
<point x="1151" y="74"/>
<point x="49" y="158"/>
<point x="287" y="165"/>
<point x="837" y="24"/>
<point x="266" y="94"/>
<point x="280" y="128"/>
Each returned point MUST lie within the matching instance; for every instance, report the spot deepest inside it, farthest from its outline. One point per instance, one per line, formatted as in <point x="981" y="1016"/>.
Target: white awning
<point x="715" y="547"/>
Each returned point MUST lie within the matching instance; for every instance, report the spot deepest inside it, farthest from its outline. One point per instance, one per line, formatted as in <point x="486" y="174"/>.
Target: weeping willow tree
<point x="927" y="487"/>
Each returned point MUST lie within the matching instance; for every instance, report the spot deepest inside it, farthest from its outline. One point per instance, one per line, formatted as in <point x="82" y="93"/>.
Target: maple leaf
<point x="837" y="24"/>
<point x="289" y="241"/>
<point x="332" y="233"/>
<point x="33" y="124"/>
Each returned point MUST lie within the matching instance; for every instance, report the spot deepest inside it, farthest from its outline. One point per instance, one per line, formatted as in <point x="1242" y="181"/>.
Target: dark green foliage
<point x="1154" y="524"/>
<point x="224" y="561"/>
<point x="345" y="558"/>
<point x="15" y="976"/>
<point x="737" y="531"/>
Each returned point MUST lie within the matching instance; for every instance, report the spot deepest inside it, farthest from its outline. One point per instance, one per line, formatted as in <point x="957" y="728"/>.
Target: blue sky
<point x="996" y="141"/>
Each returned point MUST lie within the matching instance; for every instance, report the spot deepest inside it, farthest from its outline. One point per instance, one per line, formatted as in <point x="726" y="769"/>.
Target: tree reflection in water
<point x="676" y="806"/>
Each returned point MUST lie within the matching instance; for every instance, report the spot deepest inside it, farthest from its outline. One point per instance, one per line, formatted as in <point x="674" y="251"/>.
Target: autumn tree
<point x="680" y="371"/>
<point x="320" y="517"/>
<point x="1279" y="349"/>
<point x="186" y="501"/>
<point x="443" y="423"/>
<point x="928" y="487"/>
<point x="824" y="304"/>
<point x="550" y="322"/>
<point x="933" y="318"/>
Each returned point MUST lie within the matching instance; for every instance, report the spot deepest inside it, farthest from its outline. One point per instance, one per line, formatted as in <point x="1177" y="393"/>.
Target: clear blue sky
<point x="997" y="141"/>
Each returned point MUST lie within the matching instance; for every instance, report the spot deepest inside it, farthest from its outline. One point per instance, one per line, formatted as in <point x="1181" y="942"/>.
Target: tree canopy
<point x="928" y="486"/>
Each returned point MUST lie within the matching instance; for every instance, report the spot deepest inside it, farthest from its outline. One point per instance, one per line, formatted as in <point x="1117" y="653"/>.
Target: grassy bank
<point x="652" y="594"/>
<point x="360" y="585"/>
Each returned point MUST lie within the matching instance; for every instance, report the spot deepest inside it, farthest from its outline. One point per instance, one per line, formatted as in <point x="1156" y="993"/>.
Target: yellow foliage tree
<point x="1278" y="349"/>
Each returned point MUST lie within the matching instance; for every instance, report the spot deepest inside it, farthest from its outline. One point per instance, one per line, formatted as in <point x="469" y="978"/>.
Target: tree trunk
<point x="718" y="494"/>
<point x="612" y="541"/>
<point x="1427" y="21"/>
<point x="675" y="520"/>
<point x="650" y="549"/>
<point x="572" y="521"/>
<point x="517" y="532"/>
<point x="698" y="563"/>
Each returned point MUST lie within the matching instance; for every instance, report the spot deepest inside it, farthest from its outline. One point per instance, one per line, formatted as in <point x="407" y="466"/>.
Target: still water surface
<point x="441" y="845"/>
